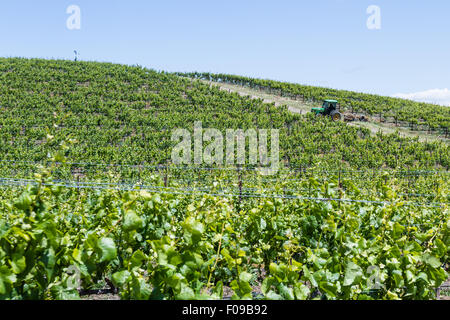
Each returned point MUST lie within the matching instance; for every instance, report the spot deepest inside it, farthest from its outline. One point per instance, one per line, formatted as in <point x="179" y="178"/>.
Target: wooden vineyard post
<point x="340" y="187"/>
<point x="309" y="186"/>
<point x="339" y="179"/>
<point x="78" y="187"/>
<point x="240" y="187"/>
<point x="407" y="175"/>
<point x="140" y="175"/>
<point x="165" y="176"/>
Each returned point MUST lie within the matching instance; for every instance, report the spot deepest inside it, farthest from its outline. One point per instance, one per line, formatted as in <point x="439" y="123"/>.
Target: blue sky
<point x="316" y="42"/>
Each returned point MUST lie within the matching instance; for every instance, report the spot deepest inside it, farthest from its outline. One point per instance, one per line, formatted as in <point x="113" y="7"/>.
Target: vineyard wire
<point x="193" y="168"/>
<point x="181" y="191"/>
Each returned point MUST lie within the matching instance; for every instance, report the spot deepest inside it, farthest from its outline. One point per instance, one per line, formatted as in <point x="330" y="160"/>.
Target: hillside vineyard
<point x="129" y="112"/>
<point x="90" y="198"/>
<point x="415" y="114"/>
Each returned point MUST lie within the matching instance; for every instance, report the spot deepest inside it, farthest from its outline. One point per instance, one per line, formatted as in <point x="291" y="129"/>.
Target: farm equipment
<point x="329" y="108"/>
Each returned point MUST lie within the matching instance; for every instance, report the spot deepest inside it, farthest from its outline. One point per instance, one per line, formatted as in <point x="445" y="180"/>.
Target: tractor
<point x="329" y="108"/>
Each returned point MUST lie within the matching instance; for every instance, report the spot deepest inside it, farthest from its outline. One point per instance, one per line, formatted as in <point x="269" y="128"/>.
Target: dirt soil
<point x="256" y="292"/>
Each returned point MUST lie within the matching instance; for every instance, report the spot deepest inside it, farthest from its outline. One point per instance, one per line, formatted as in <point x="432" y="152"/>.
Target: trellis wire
<point x="184" y="191"/>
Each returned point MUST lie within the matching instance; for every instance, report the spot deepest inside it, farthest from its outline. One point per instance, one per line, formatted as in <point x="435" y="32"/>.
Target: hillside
<point x="296" y="104"/>
<point x="416" y="115"/>
<point x="128" y="114"/>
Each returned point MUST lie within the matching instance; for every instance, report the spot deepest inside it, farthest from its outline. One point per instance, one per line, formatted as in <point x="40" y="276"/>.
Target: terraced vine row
<point x="128" y="113"/>
<point x="415" y="113"/>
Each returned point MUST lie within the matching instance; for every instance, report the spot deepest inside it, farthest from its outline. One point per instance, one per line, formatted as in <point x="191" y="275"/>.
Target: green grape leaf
<point x="108" y="249"/>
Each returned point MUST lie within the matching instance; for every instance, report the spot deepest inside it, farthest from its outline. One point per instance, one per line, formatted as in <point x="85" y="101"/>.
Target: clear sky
<point x="316" y="42"/>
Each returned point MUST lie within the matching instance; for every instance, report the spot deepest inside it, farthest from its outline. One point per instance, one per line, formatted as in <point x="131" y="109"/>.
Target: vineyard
<point x="415" y="115"/>
<point x="90" y="199"/>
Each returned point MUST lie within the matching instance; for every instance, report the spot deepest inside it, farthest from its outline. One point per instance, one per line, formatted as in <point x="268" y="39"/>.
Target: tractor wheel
<point x="335" y="115"/>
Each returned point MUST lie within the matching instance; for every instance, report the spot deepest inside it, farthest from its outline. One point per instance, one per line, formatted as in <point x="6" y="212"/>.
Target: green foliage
<point x="165" y="246"/>
<point x="434" y="116"/>
<point x="56" y="240"/>
<point x="126" y="114"/>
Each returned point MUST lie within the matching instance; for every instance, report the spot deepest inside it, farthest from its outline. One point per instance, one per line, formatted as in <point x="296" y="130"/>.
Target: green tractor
<point x="329" y="108"/>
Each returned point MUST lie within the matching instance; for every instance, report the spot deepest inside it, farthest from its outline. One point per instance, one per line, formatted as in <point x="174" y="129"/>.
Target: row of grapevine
<point x="124" y="114"/>
<point x="415" y="113"/>
<point x="88" y="193"/>
<point x="57" y="242"/>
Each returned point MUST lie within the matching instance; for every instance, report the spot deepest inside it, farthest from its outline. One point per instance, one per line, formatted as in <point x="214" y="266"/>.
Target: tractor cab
<point x="329" y="108"/>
